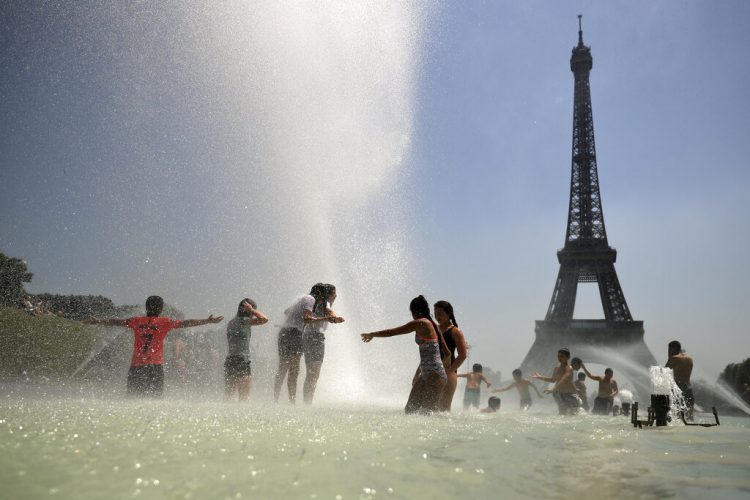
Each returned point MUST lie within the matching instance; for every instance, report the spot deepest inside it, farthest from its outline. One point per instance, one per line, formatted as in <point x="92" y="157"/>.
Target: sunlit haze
<point x="207" y="156"/>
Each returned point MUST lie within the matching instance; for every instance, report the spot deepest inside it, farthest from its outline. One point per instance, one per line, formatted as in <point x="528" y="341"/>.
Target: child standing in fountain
<point x="682" y="367"/>
<point x="607" y="391"/>
<point x="568" y="401"/>
<point x="298" y="315"/>
<point x="313" y="337"/>
<point x="522" y="386"/>
<point x="581" y="389"/>
<point x="237" y="371"/>
<point x="146" y="374"/>
<point x="454" y="339"/>
<point x="474" y="381"/>
<point x="430" y="378"/>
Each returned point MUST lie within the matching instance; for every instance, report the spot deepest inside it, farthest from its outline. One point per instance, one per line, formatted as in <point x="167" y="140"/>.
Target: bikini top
<point x="450" y="342"/>
<point x="422" y="341"/>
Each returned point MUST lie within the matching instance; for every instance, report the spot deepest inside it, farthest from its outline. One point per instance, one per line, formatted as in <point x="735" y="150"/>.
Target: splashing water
<point x="288" y="128"/>
<point x="663" y="384"/>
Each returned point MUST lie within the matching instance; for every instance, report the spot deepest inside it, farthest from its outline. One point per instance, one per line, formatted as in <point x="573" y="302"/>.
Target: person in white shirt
<point x="298" y="315"/>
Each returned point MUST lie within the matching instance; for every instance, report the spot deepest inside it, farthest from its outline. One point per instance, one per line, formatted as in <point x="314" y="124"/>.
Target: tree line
<point x="14" y="273"/>
<point x="737" y="377"/>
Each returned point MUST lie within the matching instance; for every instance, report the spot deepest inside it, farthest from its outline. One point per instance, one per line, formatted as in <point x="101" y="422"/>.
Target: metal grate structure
<point x="617" y="340"/>
<point x="587" y="256"/>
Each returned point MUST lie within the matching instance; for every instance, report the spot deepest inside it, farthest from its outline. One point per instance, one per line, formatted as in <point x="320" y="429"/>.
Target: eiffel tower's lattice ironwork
<point x="587" y="256"/>
<point x="617" y="340"/>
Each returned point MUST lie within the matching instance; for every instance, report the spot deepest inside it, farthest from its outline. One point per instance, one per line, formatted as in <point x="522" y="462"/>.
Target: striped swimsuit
<point x="429" y="357"/>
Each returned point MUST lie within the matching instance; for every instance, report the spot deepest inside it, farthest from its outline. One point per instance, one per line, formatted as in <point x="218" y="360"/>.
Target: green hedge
<point x="43" y="346"/>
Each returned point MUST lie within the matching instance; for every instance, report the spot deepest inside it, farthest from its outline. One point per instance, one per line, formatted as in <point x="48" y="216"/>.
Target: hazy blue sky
<point x="122" y="125"/>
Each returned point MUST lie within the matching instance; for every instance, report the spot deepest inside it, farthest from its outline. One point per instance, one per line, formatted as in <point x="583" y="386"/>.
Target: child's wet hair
<point x="494" y="402"/>
<point x="241" y="312"/>
<point x="517" y="371"/>
<point x="476" y="368"/>
<point x="154" y="305"/>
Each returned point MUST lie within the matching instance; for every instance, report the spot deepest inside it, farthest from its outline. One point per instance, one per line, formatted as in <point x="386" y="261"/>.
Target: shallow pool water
<point x="108" y="448"/>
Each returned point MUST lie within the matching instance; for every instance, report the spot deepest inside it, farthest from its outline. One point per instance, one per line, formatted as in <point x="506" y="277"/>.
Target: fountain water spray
<point x="271" y="140"/>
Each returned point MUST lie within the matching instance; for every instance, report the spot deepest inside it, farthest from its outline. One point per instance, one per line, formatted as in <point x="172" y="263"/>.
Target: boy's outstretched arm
<point x="486" y="381"/>
<point x="200" y="322"/>
<point x="511" y="386"/>
<point x="539" y="376"/>
<point x="592" y="377"/>
<point x="105" y="322"/>
<point x="462" y="374"/>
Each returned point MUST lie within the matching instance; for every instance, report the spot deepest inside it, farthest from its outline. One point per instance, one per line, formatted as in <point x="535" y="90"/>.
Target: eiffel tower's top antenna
<point x="580" y="30"/>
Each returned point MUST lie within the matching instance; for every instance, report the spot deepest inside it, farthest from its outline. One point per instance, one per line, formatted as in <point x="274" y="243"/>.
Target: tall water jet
<point x="255" y="149"/>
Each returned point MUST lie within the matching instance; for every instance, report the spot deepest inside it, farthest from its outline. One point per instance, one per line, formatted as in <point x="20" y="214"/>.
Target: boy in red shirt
<point x="146" y="375"/>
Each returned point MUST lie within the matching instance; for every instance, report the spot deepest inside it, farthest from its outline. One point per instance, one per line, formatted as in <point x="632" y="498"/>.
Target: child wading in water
<point x="522" y="385"/>
<point x="146" y="374"/>
<point x="493" y="405"/>
<point x="607" y="391"/>
<point x="568" y="401"/>
<point x="237" y="372"/>
<point x="581" y="390"/>
<point x="474" y="381"/>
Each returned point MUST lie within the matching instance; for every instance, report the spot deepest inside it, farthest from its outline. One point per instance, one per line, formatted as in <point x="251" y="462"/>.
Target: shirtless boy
<point x="474" y="380"/>
<point x="607" y="391"/>
<point x="568" y="401"/>
<point x="522" y="385"/>
<point x="682" y="367"/>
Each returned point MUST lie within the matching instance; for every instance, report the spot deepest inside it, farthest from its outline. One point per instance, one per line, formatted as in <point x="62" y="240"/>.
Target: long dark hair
<point x="241" y="312"/>
<point x="420" y="308"/>
<point x="448" y="308"/>
<point x="321" y="292"/>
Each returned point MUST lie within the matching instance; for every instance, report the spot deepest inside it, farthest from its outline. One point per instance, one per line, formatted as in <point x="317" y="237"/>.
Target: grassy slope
<point x="42" y="346"/>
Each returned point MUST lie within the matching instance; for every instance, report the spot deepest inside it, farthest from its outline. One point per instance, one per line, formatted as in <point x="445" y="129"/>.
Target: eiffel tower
<point x="617" y="340"/>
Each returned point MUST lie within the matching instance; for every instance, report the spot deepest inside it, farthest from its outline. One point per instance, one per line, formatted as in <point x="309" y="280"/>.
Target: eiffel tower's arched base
<point x="618" y="345"/>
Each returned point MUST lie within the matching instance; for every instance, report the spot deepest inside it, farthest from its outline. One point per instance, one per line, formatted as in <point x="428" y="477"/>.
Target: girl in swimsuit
<point x="430" y="377"/>
<point x="455" y="341"/>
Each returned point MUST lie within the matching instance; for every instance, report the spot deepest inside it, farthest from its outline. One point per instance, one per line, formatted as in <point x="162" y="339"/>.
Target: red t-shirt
<point x="149" y="333"/>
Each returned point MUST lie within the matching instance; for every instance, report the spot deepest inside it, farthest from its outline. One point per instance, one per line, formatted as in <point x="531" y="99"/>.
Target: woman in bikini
<point x="456" y="343"/>
<point x="430" y="377"/>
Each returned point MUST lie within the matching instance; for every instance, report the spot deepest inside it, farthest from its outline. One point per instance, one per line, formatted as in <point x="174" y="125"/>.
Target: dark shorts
<point x="146" y="380"/>
<point x="290" y="342"/>
<point x="471" y="398"/>
<point x="525" y="403"/>
<point x="602" y="406"/>
<point x="687" y="393"/>
<point x="314" y="347"/>
<point x="568" y="402"/>
<point x="236" y="367"/>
